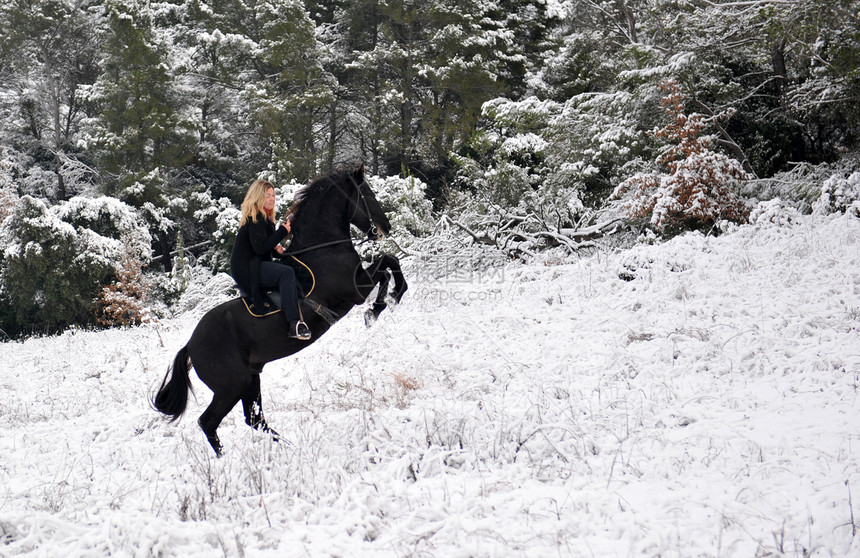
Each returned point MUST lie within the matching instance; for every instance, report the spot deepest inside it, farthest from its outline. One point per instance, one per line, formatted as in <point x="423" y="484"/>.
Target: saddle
<point x="272" y="297"/>
<point x="271" y="303"/>
<point x="305" y="282"/>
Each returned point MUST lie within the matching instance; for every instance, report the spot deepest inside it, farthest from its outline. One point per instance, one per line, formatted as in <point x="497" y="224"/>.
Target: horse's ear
<point x="359" y="174"/>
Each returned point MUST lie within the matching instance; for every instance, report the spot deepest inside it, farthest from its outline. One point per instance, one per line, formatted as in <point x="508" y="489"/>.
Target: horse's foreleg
<point x="252" y="405"/>
<point x="379" y="275"/>
<point x="379" y="304"/>
<point x="387" y="261"/>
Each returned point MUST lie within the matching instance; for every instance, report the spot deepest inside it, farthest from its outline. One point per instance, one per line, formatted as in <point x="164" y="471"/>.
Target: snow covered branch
<point x="525" y="235"/>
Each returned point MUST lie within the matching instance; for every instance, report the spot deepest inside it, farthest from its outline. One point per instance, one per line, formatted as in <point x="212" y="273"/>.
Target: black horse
<point x="229" y="346"/>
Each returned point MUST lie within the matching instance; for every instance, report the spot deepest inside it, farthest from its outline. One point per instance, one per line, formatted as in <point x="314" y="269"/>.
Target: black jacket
<point x="255" y="243"/>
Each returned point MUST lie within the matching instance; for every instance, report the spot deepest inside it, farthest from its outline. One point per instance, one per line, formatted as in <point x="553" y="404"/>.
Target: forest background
<point x="131" y="129"/>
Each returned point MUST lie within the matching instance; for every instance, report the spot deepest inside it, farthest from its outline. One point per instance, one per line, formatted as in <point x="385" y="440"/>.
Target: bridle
<point x="373" y="233"/>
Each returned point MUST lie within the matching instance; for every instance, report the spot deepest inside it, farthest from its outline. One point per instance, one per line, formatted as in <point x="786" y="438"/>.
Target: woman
<point x="251" y="263"/>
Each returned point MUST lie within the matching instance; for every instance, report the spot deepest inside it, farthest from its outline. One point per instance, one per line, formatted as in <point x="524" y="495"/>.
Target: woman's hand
<point x="287" y="225"/>
<point x="279" y="249"/>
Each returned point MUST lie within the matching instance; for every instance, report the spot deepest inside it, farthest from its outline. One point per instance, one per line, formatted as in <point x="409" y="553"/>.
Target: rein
<point x="317" y="246"/>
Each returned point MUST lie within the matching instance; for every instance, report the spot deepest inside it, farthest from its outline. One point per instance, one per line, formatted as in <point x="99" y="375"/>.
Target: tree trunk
<point x="777" y="57"/>
<point x="630" y="19"/>
<point x="54" y="97"/>
<point x="332" y="135"/>
<point x="406" y="109"/>
<point x="164" y="248"/>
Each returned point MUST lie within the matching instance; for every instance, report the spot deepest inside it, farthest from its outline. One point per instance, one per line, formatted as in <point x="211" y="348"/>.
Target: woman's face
<point x="269" y="204"/>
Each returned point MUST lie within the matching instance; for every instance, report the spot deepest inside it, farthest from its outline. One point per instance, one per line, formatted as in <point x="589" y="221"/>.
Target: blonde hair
<point x="252" y="206"/>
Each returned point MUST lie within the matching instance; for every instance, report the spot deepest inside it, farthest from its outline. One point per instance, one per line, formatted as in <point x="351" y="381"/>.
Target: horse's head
<point x="332" y="202"/>
<point x="367" y="214"/>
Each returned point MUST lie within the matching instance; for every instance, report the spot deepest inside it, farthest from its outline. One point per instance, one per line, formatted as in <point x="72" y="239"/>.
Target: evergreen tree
<point x="140" y="134"/>
<point x="48" y="46"/>
<point x="139" y="118"/>
<point x="421" y="73"/>
<point x="786" y="70"/>
<point x="264" y="55"/>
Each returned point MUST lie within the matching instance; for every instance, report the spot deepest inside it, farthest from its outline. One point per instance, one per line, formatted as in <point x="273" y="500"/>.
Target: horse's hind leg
<point x="212" y="417"/>
<point x="252" y="404"/>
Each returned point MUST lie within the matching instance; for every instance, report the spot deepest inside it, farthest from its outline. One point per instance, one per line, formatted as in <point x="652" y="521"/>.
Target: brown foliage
<point x="122" y="302"/>
<point x="695" y="187"/>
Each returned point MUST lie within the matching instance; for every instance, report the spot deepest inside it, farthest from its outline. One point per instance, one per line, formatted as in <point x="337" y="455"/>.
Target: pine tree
<point x="422" y="71"/>
<point x="140" y="128"/>
<point x="263" y="59"/>
<point x="48" y="44"/>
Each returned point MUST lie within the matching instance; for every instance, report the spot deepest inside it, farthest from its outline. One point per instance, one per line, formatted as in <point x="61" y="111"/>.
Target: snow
<point x="697" y="397"/>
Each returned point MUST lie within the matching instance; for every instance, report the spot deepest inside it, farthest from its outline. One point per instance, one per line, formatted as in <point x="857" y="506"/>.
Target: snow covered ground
<point x="693" y="398"/>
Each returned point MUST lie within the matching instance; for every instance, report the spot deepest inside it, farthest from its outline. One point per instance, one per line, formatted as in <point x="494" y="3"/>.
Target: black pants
<point x="283" y="278"/>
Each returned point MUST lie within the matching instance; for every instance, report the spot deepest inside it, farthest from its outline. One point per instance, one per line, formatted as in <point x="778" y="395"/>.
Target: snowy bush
<point x="405" y="202"/>
<point x="109" y="218"/>
<point x="41" y="182"/>
<point x="541" y="171"/>
<point x="839" y="194"/>
<point x="800" y="186"/>
<point x="50" y="274"/>
<point x="507" y="167"/>
<point x="694" y="187"/>
<point x="219" y="219"/>
<point x="58" y="259"/>
<point x="502" y="191"/>
<point x="226" y="223"/>
<point x="123" y="302"/>
<point x="774" y="212"/>
<point x="205" y="290"/>
<point x="25" y="170"/>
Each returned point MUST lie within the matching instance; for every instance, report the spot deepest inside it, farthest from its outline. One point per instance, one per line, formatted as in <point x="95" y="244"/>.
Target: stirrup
<point x="302" y="332"/>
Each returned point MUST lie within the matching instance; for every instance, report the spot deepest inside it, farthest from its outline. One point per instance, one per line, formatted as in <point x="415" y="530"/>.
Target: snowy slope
<point x="692" y="398"/>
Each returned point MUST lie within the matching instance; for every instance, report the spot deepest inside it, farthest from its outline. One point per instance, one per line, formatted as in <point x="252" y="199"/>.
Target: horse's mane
<point x="316" y="186"/>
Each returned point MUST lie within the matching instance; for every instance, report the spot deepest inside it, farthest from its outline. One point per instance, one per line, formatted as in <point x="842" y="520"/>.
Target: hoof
<point x="271" y="432"/>
<point x="369" y="318"/>
<point x="263" y="426"/>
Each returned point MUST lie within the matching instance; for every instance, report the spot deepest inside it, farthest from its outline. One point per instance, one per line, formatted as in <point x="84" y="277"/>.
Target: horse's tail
<point x="172" y="397"/>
